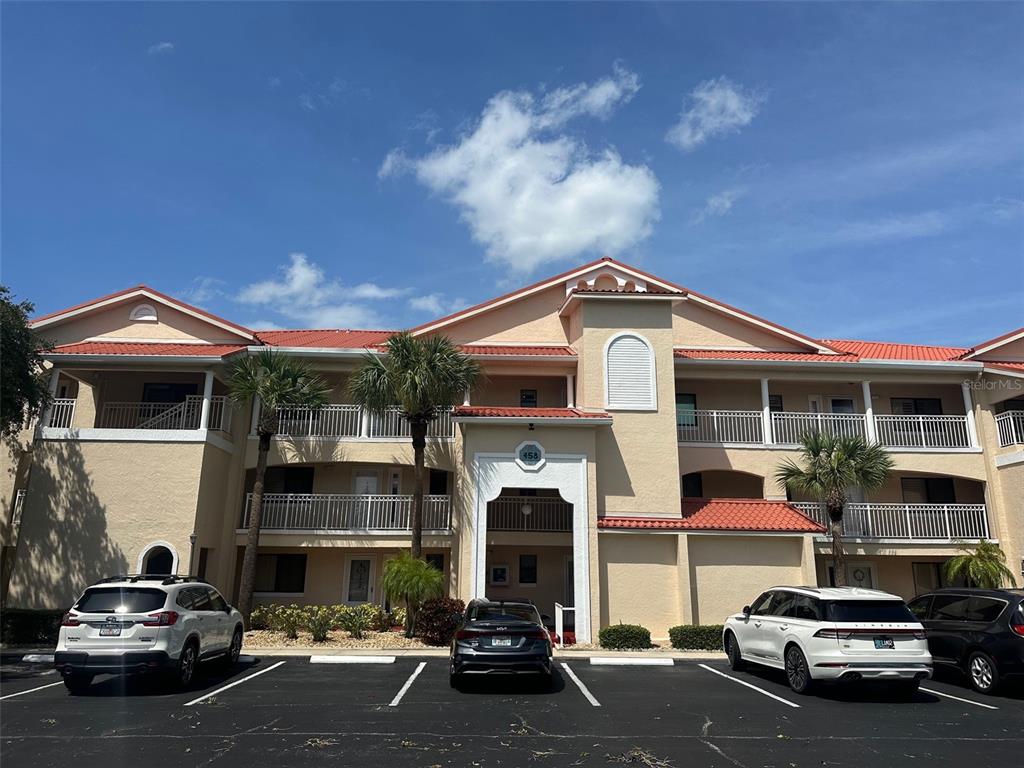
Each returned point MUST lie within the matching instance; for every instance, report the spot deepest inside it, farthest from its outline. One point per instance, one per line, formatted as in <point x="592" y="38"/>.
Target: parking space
<point x="293" y="712"/>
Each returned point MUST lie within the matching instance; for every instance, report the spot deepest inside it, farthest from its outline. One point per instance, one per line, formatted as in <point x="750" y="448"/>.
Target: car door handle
<point x="757" y="624"/>
<point x="784" y="627"/>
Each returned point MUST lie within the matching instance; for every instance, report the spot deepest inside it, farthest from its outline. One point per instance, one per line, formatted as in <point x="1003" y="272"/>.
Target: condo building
<point x="617" y="460"/>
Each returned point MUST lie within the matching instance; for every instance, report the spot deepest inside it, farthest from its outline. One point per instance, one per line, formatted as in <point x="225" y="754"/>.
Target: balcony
<point x="1010" y="426"/>
<point x="186" y="415"/>
<point x="786" y="428"/>
<point x="345" y="421"/>
<point x="347" y="513"/>
<point x="529" y="513"/>
<point x="911" y="522"/>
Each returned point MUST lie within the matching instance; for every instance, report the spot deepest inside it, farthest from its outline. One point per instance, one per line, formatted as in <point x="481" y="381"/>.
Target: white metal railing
<point x="345" y="420"/>
<point x="922" y="431"/>
<point x="720" y="427"/>
<point x="173" y="416"/>
<point x="347" y="512"/>
<point x="789" y="427"/>
<point x="546" y="513"/>
<point x="869" y="520"/>
<point x="560" y="611"/>
<point x="62" y="412"/>
<point x="1010" y="425"/>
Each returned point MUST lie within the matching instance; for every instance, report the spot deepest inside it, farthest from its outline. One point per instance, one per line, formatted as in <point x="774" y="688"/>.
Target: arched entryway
<point x="158" y="558"/>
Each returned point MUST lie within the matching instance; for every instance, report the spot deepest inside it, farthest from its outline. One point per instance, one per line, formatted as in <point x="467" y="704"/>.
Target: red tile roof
<point x="334" y="338"/>
<point x="146" y="349"/>
<point x="526" y="350"/>
<point x="723" y="515"/>
<point x="492" y="412"/>
<point x="1008" y="365"/>
<point x="882" y="350"/>
<point x="729" y="354"/>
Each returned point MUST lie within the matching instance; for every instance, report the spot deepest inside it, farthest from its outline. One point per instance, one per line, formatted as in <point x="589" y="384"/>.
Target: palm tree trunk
<point x="418" y="429"/>
<point x="835" y="517"/>
<point x="252" y="541"/>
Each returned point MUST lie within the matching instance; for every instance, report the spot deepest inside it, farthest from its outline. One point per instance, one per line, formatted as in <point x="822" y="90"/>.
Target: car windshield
<point x="121" y="600"/>
<point x="504" y="613"/>
<point x="868" y="610"/>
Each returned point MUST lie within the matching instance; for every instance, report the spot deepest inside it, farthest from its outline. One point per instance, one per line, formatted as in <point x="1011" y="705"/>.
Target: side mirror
<point x="746" y="610"/>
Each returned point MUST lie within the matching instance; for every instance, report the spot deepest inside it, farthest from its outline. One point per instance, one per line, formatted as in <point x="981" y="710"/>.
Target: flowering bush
<point x="436" y="622"/>
<point x="319" y="620"/>
<point x="287" y="619"/>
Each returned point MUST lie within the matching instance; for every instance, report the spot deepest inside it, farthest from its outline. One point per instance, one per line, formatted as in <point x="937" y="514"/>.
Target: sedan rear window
<point x="867" y="610"/>
<point x="121" y="600"/>
<point x="504" y="613"/>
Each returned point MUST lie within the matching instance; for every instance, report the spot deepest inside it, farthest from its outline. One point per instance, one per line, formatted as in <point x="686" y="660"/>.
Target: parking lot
<point x="289" y="711"/>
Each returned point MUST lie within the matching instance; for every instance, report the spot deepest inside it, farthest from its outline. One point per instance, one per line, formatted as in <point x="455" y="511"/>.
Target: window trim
<point x="153" y="545"/>
<point x="143" y="313"/>
<point x="653" y="403"/>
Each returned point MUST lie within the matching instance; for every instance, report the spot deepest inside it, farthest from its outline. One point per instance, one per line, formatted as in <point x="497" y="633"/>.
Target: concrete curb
<point x="656" y="657"/>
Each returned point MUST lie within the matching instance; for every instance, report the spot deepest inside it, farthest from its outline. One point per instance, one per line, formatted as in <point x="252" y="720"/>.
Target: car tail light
<point x="832" y="634"/>
<point x="1017" y="629"/>
<point x="162" y="619"/>
<point x="70" y="621"/>
<point x="537" y="634"/>
<point x="467" y="638"/>
<point x="847" y="633"/>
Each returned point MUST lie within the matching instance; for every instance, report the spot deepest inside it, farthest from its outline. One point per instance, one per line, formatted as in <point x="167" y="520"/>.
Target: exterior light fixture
<point x="527" y="510"/>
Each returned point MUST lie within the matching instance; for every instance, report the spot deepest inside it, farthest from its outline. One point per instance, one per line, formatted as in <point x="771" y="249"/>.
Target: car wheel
<point x="732" y="650"/>
<point x="454" y="680"/>
<point x="982" y="672"/>
<point x="186" y="668"/>
<point x="78" y="682"/>
<point x="235" y="649"/>
<point x="797" y="672"/>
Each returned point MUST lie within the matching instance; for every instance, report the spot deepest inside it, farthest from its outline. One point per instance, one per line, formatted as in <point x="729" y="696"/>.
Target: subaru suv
<point x="837" y="633"/>
<point x="145" y="623"/>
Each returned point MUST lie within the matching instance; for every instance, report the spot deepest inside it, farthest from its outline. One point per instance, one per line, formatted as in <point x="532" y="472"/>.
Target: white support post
<point x="972" y="427"/>
<point x="570" y="390"/>
<point x="48" y="414"/>
<point x="256" y="405"/>
<point x="869" y="412"/>
<point x="766" y="414"/>
<point x="364" y="422"/>
<point x="204" y="414"/>
<point x="465" y="397"/>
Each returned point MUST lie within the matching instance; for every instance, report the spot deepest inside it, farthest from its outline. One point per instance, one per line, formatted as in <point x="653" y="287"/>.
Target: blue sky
<point x="848" y="170"/>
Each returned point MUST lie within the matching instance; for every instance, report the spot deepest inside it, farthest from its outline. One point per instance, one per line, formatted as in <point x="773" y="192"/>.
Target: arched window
<point x="159" y="558"/>
<point x="629" y="374"/>
<point x="144" y="313"/>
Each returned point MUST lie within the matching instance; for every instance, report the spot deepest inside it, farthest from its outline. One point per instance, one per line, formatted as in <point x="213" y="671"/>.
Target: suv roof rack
<point x="163" y="578"/>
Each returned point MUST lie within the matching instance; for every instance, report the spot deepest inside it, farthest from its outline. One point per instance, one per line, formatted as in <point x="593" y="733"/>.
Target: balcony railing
<point x="136" y="415"/>
<point x="529" y="513"/>
<point x="922" y="431"/>
<point x="351" y="421"/>
<point x="720" y="427"/>
<point x="1010" y="425"/>
<point x="62" y="412"/>
<point x="787" y="428"/>
<point x="347" y="512"/>
<point x="930" y="522"/>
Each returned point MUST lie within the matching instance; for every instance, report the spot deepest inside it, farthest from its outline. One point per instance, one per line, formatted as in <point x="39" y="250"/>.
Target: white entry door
<point x="359" y="580"/>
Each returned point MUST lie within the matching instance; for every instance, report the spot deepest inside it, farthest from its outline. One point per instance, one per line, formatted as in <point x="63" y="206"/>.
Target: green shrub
<point x="435" y="621"/>
<point x="23" y="626"/>
<point x="319" y="620"/>
<point x="262" y="616"/>
<point x="696" y="637"/>
<point x="287" y="619"/>
<point x="625" y="637"/>
<point x="394" y="619"/>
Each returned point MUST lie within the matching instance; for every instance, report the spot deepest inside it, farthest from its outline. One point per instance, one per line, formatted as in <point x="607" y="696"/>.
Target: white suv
<point x="838" y="633"/>
<point x="146" y="624"/>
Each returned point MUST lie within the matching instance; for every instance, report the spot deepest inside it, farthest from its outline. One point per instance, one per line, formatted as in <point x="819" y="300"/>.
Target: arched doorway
<point x="158" y="558"/>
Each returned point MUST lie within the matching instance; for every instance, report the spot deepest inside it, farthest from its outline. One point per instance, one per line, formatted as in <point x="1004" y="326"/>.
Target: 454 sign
<point x="530" y="455"/>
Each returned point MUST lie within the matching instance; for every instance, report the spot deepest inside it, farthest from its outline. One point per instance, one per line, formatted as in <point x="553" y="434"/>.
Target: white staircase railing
<point x="1010" y="426"/>
<point x="172" y="416"/>
<point x="942" y="522"/>
<point x="347" y="512"/>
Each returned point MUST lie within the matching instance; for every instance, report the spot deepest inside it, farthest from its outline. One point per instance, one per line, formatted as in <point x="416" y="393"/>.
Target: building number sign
<point x="530" y="455"/>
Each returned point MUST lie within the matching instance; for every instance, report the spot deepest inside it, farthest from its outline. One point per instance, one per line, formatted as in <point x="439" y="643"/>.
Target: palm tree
<point x="421" y="377"/>
<point x="831" y="465"/>
<point x="278" y="381"/>
<point x="411" y="580"/>
<point x="985" y="567"/>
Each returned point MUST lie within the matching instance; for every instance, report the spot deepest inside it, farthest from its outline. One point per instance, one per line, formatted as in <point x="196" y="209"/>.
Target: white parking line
<point x="351" y="659"/>
<point x="629" y="661"/>
<point x="748" y="685"/>
<point x="408" y="684"/>
<point x="579" y="684"/>
<point x="232" y="685"/>
<point x="30" y="690"/>
<point x="957" y="698"/>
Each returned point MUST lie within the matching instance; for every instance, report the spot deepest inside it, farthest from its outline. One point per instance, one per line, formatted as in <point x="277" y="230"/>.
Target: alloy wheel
<point x="187" y="665"/>
<point x="236" y="647"/>
<point x="982" y="673"/>
<point x="796" y="670"/>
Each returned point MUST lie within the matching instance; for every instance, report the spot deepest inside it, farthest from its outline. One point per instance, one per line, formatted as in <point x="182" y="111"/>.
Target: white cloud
<point x="714" y="108"/>
<point x="533" y="196"/>
<point x="436" y="304"/>
<point x="203" y="290"/>
<point x="718" y="204"/>
<point x="160" y="48"/>
<point x="303" y="293"/>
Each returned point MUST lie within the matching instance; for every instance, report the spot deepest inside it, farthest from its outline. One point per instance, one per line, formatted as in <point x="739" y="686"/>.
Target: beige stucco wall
<point x="895" y="573"/>
<point x="533" y="319"/>
<point x="639" y="581"/>
<point x="697" y="326"/>
<point x="550" y="586"/>
<point x="505" y="390"/>
<point x="439" y="454"/>
<point x="730" y="485"/>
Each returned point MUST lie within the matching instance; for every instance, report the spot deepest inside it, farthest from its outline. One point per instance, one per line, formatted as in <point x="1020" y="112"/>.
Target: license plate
<point x="110" y="631"/>
<point x="884" y="642"/>
<point x="501" y="642"/>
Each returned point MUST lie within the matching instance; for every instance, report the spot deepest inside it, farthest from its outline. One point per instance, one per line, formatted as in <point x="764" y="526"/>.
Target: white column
<point x="364" y="422"/>
<point x="44" y="421"/>
<point x="869" y="412"/>
<point x="465" y="397"/>
<point x="766" y="413"/>
<point x="972" y="427"/>
<point x="204" y="415"/>
<point x="255" y="414"/>
<point x="570" y="390"/>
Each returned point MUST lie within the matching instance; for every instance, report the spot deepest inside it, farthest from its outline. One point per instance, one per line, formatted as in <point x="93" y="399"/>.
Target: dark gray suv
<point x="500" y="637"/>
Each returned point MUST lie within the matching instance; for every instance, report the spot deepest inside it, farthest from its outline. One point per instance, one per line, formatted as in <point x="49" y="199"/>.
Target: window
<point x="288" y="480"/>
<point x="438" y="482"/>
<point x="527" y="569"/>
<point x="693" y="486"/>
<point x="527" y="398"/>
<point x="167" y="393"/>
<point x="1016" y="404"/>
<point x="763" y="605"/>
<point x="949" y="607"/>
<point x="629" y="374"/>
<point x="143" y="313"/>
<point x="281" y="573"/>
<point x="927" y="576"/>
<point x="217" y="603"/>
<point x="504" y="613"/>
<point x="121" y="600"/>
<point x="686" y="407"/>
<point x="775" y="403"/>
<point x="928" y="490"/>
<point x="201" y="599"/>
<point x="916" y="406"/>
<point x="920" y="606"/>
<point x="436" y="559"/>
<point x="867" y="610"/>
<point x="984" y="610"/>
<point x="842" y="405"/>
<point x="801" y="607"/>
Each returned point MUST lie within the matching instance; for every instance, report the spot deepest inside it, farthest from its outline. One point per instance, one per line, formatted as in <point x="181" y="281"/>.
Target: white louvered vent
<point x="630" y="374"/>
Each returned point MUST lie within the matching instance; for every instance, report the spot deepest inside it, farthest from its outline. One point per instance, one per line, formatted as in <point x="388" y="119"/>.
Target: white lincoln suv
<point x="837" y="633"/>
<point x="146" y="624"/>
